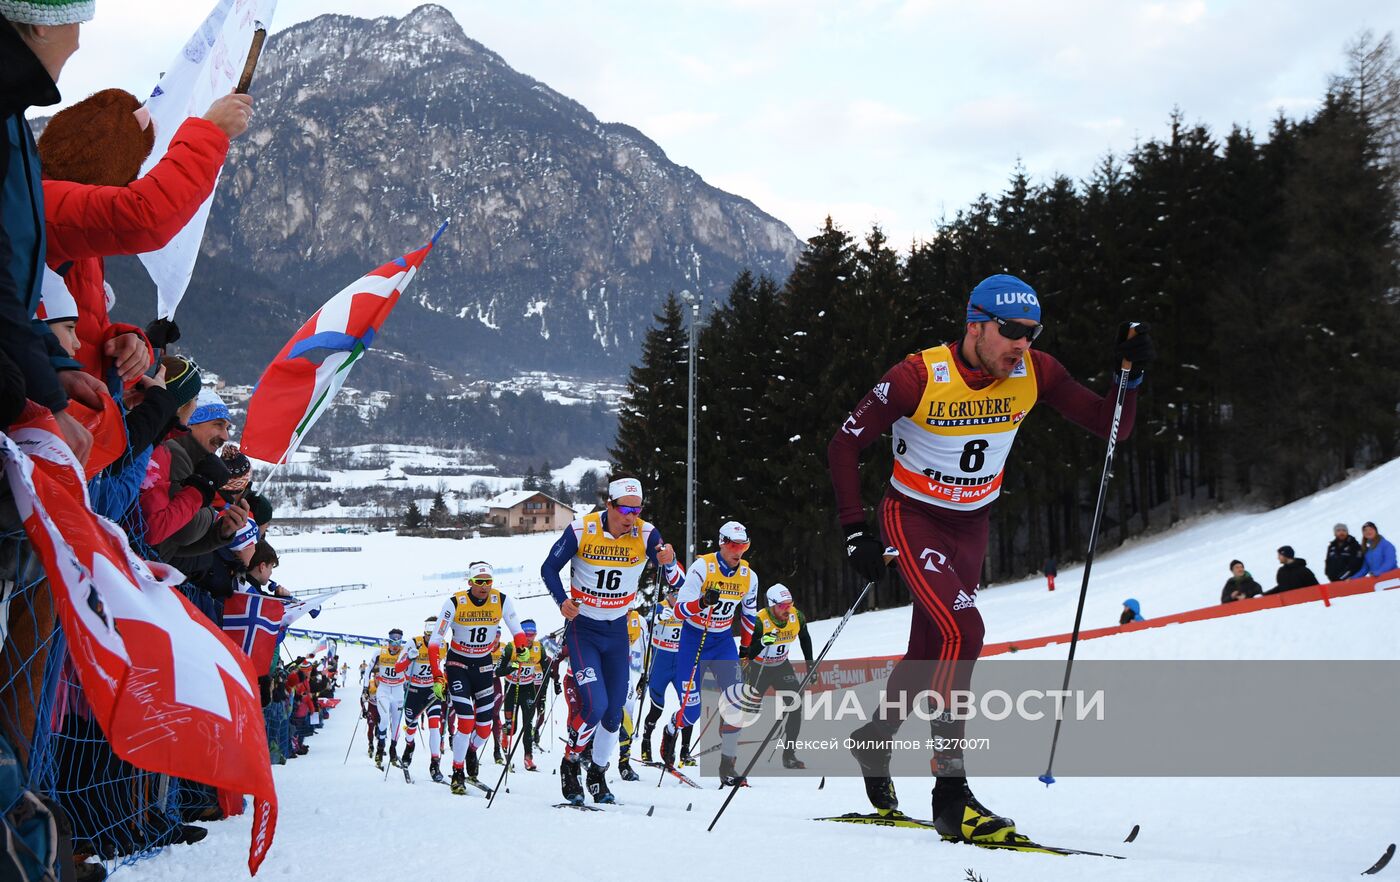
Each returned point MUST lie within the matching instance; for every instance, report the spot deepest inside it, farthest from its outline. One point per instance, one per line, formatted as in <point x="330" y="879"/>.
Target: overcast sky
<point x="897" y="112"/>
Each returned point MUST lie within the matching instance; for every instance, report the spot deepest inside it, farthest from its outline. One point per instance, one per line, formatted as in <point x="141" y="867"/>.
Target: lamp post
<point x="693" y="301"/>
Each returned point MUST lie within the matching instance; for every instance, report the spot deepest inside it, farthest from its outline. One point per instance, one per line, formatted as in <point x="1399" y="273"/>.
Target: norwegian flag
<point x="253" y="621"/>
<point x="171" y="693"/>
<point x="302" y="380"/>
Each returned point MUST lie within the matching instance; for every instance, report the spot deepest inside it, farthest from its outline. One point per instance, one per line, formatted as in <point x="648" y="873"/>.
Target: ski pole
<point x="648" y="656"/>
<point x="510" y="730"/>
<point x="1124" y="369"/>
<point x="511" y="754"/>
<point x="690" y="684"/>
<point x="352" y="740"/>
<point x="802" y="687"/>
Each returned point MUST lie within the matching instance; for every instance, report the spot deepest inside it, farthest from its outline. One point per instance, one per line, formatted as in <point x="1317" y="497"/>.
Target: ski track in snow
<point x="346" y="821"/>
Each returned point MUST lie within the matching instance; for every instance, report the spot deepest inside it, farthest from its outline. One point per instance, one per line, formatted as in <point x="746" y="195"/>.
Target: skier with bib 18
<point x="954" y="410"/>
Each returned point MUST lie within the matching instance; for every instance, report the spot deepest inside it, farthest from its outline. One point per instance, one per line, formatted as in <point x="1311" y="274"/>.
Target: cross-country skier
<point x="718" y="586"/>
<point x="470" y="622"/>
<point x="665" y="639"/>
<point x="606" y="552"/>
<point x="389" y="667"/>
<point x="523" y="671"/>
<point x="424" y="700"/>
<point x="955" y="410"/>
<point x="769" y="665"/>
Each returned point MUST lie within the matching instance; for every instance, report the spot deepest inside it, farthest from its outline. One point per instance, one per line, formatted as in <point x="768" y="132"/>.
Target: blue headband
<point x="1005" y="297"/>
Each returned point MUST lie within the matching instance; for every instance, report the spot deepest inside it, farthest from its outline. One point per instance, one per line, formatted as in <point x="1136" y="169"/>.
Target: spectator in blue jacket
<point x="1132" y="612"/>
<point x="1378" y="552"/>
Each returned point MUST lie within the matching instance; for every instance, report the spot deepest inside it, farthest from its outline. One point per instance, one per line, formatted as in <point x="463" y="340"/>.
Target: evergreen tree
<point x="412" y="517"/>
<point x="438" y="515"/>
<point x="588" y="490"/>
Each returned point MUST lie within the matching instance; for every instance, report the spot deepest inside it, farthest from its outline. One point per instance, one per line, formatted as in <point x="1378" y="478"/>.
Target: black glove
<point x="162" y="332"/>
<point x="641" y="686"/>
<point x="1137" y="349"/>
<point x="865" y="552"/>
<point x="557" y="688"/>
<point x="710" y="598"/>
<point x="209" y="475"/>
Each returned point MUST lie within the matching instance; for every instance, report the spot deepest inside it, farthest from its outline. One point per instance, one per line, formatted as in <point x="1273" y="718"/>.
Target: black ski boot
<point x="569" y="781"/>
<point x="729" y="773"/>
<point x="435" y="770"/>
<point x="597" y="785"/>
<point x="668" y="748"/>
<point x="625" y="771"/>
<point x="872" y="749"/>
<point x="686" y="758"/>
<point x="959" y="816"/>
<point x="371" y="748"/>
<point x="407" y="759"/>
<point x="379" y="756"/>
<point x="393" y="753"/>
<point x="646" y="744"/>
<point x="790" y="760"/>
<point x="473" y="764"/>
<point x="459" y="781"/>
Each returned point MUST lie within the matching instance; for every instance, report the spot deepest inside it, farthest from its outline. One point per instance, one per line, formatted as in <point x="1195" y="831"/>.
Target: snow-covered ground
<point x="346" y="821"/>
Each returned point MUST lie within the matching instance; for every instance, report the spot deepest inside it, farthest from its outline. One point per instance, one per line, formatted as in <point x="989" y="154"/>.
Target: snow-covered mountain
<point x="565" y="231"/>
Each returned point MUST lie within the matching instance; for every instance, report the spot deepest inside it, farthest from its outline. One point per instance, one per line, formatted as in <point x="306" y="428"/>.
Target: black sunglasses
<point x="1013" y="330"/>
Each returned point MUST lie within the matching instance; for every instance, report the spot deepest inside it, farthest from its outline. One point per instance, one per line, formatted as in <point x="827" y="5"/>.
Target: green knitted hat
<point x="48" y="12"/>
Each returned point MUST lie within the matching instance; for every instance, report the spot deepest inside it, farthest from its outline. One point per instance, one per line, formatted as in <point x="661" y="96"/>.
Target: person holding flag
<point x="606" y="552"/>
<point x="470" y="622"/>
<point x="718" y="586"/>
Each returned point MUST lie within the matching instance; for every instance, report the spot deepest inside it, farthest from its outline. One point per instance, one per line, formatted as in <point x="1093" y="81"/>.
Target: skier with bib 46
<point x="954" y="411"/>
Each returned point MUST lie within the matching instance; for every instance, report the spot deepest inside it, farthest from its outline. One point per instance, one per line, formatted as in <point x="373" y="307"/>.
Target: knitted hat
<point x="1005" y="297"/>
<point x="57" y="304"/>
<point x="181" y="379"/>
<point x="97" y="141"/>
<point x="211" y="407"/>
<point x="246" y="537"/>
<point x="1340" y="528"/>
<point x="235" y="460"/>
<point x="48" y="12"/>
<point x="778" y="593"/>
<point x="1286" y="551"/>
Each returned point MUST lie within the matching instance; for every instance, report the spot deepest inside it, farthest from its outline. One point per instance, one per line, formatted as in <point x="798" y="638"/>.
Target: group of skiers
<point x="954" y="411"/>
<point x="462" y="668"/>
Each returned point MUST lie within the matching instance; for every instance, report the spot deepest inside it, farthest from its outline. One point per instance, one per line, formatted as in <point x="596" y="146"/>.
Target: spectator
<point x="1240" y="585"/>
<point x="1379" y="552"/>
<point x="169" y="505"/>
<point x="195" y="462"/>
<point x="1132" y="612"/>
<point x="1343" y="555"/>
<point x="1293" y="572"/>
<point x="95" y="207"/>
<point x="1051" y="570"/>
<point x="36" y="40"/>
<point x="260" y="570"/>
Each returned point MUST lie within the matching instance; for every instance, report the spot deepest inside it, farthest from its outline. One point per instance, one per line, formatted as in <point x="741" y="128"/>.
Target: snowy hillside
<point x="345" y="820"/>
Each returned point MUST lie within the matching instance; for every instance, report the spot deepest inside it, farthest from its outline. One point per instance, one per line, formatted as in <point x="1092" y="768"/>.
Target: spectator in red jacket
<point x="94" y="205"/>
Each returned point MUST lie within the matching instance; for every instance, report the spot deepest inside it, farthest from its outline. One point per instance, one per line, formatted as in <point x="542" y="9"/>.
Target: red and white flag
<point x="171" y="692"/>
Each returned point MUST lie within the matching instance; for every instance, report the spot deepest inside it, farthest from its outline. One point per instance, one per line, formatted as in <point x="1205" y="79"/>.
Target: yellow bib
<point x="530" y="664"/>
<point x="606" y="569"/>
<point x="385" y="663"/>
<point x="784" y="634"/>
<point x="479" y="625"/>
<point x="952" y="452"/>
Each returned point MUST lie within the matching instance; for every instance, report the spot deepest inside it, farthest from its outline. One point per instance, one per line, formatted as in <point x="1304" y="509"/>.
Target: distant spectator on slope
<point x="1343" y="555"/>
<point x="1293" y="572"/>
<point x="1132" y="612"/>
<point x="1051" y="571"/>
<point x="1240" y="585"/>
<point x="1378" y="551"/>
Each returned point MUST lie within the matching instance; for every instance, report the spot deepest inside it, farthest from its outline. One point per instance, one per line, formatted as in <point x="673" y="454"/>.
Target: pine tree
<point x="412" y="517"/>
<point x="438" y="515"/>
